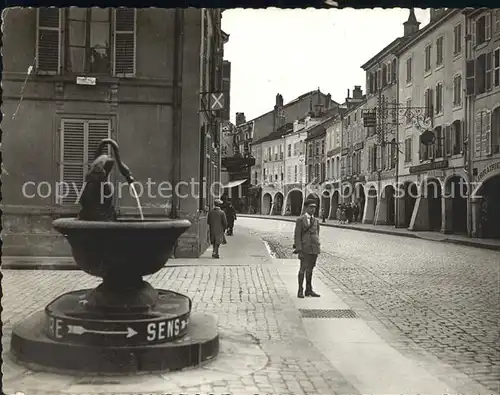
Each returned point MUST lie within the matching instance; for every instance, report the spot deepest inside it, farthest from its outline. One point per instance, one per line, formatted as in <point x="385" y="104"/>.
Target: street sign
<point x="99" y="333"/>
<point x="369" y="119"/>
<point x="428" y="137"/>
<point x="70" y="319"/>
<point x="216" y="101"/>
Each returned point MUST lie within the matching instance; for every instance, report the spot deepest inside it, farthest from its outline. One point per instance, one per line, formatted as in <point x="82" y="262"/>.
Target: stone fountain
<point x="124" y="325"/>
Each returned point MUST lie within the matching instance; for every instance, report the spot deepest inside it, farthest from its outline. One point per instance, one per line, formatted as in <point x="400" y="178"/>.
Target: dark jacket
<point x="217" y="224"/>
<point x="306" y="236"/>
<point x="230" y="214"/>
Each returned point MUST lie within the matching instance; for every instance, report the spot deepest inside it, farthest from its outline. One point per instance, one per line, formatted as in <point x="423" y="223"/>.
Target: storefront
<point x="485" y="201"/>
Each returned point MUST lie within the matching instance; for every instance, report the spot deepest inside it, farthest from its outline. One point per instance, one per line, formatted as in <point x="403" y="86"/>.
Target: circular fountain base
<point x="72" y="336"/>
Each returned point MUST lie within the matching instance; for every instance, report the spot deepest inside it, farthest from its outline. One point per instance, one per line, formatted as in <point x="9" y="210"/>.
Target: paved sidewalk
<point x="491" y="244"/>
<point x="264" y="346"/>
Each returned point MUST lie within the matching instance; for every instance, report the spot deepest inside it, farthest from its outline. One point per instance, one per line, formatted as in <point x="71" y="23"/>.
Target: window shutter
<point x="410" y="149"/>
<point x="48" y="41"/>
<point x="124" y="62"/>
<point x="473" y="36"/>
<point x="489" y="71"/>
<point x="487" y="132"/>
<point x="477" y="133"/>
<point x="431" y="102"/>
<point x="72" y="159"/>
<point x="97" y="131"/>
<point x="487" y="26"/>
<point x="463" y="136"/>
<point x="369" y="159"/>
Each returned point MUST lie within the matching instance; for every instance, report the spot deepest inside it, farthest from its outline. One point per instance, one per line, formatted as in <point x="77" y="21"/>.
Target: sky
<point x="296" y="51"/>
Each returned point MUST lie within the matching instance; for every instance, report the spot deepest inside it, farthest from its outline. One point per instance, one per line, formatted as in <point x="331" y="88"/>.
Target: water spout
<point x="123" y="168"/>
<point x="136" y="196"/>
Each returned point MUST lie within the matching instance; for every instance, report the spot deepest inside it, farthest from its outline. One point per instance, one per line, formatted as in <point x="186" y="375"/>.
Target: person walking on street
<point x="231" y="217"/>
<point x="217" y="223"/>
<point x="348" y="213"/>
<point x="323" y="215"/>
<point x="355" y="212"/>
<point x="307" y="246"/>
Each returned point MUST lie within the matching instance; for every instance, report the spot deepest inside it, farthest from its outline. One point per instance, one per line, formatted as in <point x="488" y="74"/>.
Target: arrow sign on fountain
<point x="80" y="330"/>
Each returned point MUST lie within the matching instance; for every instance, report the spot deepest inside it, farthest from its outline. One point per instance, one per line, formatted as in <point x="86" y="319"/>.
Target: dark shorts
<point x="307" y="262"/>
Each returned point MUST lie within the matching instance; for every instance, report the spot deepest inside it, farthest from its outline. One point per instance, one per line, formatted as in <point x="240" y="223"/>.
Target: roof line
<point x="427" y="29"/>
<point x="385" y="51"/>
<point x="304" y="95"/>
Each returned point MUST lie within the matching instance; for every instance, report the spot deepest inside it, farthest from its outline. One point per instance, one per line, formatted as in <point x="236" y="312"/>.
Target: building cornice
<point x="388" y="50"/>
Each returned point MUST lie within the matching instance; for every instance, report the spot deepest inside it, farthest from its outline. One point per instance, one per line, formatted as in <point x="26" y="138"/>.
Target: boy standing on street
<point x="307" y="246"/>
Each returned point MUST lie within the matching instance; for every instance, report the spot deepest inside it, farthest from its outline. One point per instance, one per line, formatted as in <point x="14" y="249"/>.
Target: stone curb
<point x="469" y="243"/>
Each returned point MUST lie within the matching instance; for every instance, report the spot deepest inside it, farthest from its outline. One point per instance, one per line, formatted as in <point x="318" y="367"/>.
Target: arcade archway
<point x="410" y="194"/>
<point x="294" y="203"/>
<point x="347" y="192"/>
<point x="334" y="205"/>
<point x="433" y="193"/>
<point x="371" y="205"/>
<point x="313" y="196"/>
<point x="267" y="201"/>
<point x="456" y="192"/>
<point x="360" y="200"/>
<point x="325" y="203"/>
<point x="489" y="216"/>
<point x="387" y="203"/>
<point x="278" y="203"/>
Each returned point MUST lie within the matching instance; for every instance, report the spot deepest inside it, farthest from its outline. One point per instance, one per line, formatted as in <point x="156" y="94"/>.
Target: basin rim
<point x="122" y="224"/>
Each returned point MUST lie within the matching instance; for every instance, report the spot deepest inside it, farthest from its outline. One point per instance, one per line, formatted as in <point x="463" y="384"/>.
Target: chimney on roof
<point x="348" y="93"/>
<point x="328" y="100"/>
<point x="240" y="118"/>
<point x="357" y="93"/>
<point x="436" y="13"/>
<point x="411" y="26"/>
<point x="279" y="100"/>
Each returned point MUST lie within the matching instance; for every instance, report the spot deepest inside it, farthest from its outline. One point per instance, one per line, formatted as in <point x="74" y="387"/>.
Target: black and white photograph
<point x="250" y="201"/>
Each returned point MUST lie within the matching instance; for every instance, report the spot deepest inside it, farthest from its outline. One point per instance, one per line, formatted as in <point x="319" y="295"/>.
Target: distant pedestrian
<point x="231" y="217"/>
<point x="307" y="246"/>
<point x="355" y="212"/>
<point x="217" y="223"/>
<point x="348" y="213"/>
<point x="323" y="215"/>
<point x="337" y="213"/>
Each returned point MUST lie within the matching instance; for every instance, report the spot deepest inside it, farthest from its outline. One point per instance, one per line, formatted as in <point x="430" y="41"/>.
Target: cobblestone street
<point x="251" y="304"/>
<point x="443" y="298"/>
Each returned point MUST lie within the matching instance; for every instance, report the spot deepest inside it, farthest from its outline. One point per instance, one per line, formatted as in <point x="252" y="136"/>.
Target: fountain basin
<point x="122" y="249"/>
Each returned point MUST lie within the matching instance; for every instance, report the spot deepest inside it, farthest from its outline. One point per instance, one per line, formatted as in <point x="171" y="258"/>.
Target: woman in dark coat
<point x="230" y="217"/>
<point x="217" y="224"/>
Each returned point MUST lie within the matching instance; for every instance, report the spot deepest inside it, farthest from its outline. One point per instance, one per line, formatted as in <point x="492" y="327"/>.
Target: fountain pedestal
<point x="124" y="325"/>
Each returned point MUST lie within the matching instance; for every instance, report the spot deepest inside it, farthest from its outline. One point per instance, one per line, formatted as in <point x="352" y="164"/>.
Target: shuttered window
<point x="482" y="133"/>
<point x="48" y="40"/>
<point x="79" y="142"/>
<point x="88" y="33"/>
<point x="124" y="64"/>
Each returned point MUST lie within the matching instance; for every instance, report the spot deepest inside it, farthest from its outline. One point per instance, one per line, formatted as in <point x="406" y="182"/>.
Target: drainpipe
<point x="396" y="200"/>
<point x="468" y="129"/>
<point x="177" y="103"/>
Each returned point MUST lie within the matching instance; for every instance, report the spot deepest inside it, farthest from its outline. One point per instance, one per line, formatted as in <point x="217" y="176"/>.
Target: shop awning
<point x="233" y="184"/>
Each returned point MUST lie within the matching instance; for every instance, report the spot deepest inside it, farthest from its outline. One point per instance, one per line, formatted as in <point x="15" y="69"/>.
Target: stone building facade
<point x="431" y="77"/>
<point x="135" y="79"/>
<point x="482" y="104"/>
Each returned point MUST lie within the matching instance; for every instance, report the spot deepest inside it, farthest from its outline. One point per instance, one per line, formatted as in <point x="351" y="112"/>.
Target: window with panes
<point x="90" y="41"/>
<point x="439" y="50"/>
<point x="457" y="90"/>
